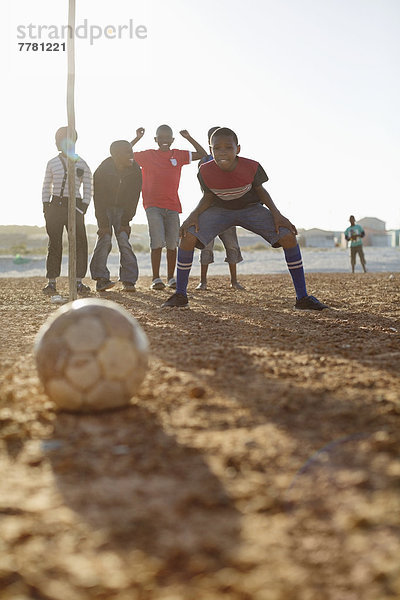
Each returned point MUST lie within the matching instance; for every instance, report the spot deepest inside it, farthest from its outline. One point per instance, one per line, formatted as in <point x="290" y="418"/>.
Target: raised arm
<point x="200" y="152"/>
<point x="279" y="219"/>
<point x="139" y="134"/>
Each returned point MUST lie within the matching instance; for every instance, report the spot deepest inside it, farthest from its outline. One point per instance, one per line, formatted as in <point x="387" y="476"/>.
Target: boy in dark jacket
<point x="117" y="186"/>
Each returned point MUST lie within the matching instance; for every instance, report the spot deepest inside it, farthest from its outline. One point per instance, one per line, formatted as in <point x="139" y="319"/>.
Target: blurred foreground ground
<point x="259" y="460"/>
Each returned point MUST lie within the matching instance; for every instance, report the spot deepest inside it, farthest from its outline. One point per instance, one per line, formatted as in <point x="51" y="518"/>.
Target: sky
<point x="311" y="87"/>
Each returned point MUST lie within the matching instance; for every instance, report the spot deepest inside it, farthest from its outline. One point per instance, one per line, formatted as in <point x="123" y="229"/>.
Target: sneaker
<point x="83" y="289"/>
<point x="201" y="286"/>
<point x="237" y="286"/>
<point x="172" y="283"/>
<point x="50" y="289"/>
<point x="128" y="286"/>
<point x="176" y="301"/>
<point x="157" y="284"/>
<point x="310" y="303"/>
<point x="104" y="284"/>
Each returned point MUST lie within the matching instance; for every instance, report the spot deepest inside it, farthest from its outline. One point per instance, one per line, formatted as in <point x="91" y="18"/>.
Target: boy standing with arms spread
<point x="55" y="209"/>
<point x="228" y="238"/>
<point x="117" y="185"/>
<point x="353" y="234"/>
<point x="234" y="195"/>
<point x="161" y="171"/>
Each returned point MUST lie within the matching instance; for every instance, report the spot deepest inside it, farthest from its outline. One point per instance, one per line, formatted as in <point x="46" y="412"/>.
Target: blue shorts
<point x="255" y="217"/>
<point x="163" y="227"/>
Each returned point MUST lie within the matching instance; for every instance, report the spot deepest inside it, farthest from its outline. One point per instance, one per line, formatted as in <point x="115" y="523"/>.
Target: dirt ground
<point x="259" y="460"/>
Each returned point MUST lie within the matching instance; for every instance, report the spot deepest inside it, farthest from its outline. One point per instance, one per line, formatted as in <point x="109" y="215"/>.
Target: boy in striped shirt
<point x="55" y="209"/>
<point x="228" y="238"/>
<point x="234" y="195"/>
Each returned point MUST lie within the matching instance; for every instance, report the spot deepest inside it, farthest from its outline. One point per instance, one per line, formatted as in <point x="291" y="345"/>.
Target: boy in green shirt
<point x="353" y="234"/>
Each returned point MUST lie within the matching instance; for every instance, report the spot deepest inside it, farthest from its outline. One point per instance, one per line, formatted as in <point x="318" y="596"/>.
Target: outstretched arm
<point x="139" y="134"/>
<point x="193" y="218"/>
<point x="279" y="219"/>
<point x="200" y="152"/>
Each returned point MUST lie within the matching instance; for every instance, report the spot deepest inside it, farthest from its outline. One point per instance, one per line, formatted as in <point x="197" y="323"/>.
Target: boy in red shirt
<point x="161" y="171"/>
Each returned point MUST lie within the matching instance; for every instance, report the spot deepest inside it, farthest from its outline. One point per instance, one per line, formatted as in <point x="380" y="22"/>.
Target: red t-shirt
<point x="161" y="172"/>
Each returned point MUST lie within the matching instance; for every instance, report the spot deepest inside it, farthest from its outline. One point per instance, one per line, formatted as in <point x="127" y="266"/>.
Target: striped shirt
<point x="54" y="177"/>
<point x="233" y="189"/>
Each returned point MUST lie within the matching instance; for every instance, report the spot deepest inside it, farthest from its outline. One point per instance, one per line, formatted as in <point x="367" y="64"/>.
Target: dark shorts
<point x="255" y="217"/>
<point x="354" y="250"/>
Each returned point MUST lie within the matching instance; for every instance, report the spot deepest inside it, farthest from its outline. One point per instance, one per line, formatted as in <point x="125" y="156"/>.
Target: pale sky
<point x="311" y="87"/>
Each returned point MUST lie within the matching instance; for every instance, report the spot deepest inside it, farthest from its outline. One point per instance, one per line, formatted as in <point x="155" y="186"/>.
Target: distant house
<point x="317" y="238"/>
<point x="375" y="235"/>
<point x="394" y="235"/>
<point x="375" y="232"/>
<point x="373" y="224"/>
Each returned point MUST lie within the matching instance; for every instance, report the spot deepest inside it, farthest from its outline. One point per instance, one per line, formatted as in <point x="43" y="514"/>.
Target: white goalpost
<point x="70" y="152"/>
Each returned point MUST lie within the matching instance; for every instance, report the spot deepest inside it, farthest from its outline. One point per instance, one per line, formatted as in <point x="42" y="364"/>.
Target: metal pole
<point x="71" y="152"/>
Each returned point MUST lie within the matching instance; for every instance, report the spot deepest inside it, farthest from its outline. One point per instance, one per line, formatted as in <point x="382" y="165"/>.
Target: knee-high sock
<point x="184" y="264"/>
<point x="295" y="266"/>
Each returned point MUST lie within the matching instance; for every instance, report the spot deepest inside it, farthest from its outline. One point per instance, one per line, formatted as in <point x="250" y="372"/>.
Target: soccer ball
<point x="91" y="355"/>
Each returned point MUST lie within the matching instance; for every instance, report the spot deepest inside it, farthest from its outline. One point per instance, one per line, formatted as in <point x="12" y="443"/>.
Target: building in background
<point x="24" y="239"/>
<point x="375" y="232"/>
<point x="317" y="238"/>
<point x="394" y="237"/>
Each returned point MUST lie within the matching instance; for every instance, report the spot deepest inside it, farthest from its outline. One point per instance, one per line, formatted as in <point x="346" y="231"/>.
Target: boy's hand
<point x="140" y="132"/>
<point x="281" y="221"/>
<point x="184" y="133"/>
<point x="192" y="220"/>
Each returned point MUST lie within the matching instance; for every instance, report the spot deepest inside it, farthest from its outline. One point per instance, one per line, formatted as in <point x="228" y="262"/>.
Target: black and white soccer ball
<point x="91" y="355"/>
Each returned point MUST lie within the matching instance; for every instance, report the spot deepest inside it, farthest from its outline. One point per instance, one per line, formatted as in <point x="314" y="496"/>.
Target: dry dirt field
<point x="259" y="460"/>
